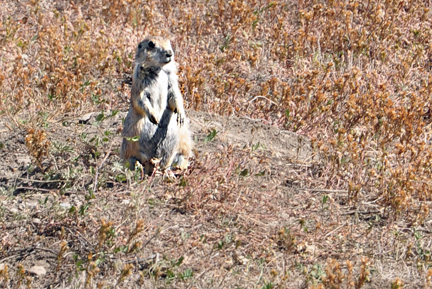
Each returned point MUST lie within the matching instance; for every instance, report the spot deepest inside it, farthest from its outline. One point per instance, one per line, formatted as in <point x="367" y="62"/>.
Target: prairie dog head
<point x="154" y="51"/>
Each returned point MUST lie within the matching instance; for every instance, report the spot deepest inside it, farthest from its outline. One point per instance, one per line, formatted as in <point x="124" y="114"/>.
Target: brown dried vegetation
<point x="352" y="76"/>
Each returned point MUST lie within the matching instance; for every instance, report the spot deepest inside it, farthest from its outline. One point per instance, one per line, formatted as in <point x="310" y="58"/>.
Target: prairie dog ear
<point x="170" y="45"/>
<point x="165" y="43"/>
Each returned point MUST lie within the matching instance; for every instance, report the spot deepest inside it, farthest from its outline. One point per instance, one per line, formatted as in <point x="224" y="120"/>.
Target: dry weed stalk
<point x="334" y="276"/>
<point x="138" y="229"/>
<point x="429" y="278"/>
<point x="286" y="240"/>
<point x="37" y="144"/>
<point x="4" y="274"/>
<point x="103" y="230"/>
<point x="92" y="270"/>
<point x="364" y="273"/>
<point x="63" y="248"/>
<point x="21" y="275"/>
<point x="125" y="272"/>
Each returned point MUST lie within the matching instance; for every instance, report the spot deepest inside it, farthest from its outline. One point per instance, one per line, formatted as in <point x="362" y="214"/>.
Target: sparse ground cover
<point x="313" y="157"/>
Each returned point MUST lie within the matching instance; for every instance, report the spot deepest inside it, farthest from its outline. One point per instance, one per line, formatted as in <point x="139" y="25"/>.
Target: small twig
<point x="223" y="279"/>
<point x="13" y="119"/>
<point x="261" y="96"/>
<point x="28" y="250"/>
<point x="239" y="198"/>
<point x="361" y="213"/>
<point x="8" y="126"/>
<point x="324" y="190"/>
<point x="118" y="227"/>
<point x="199" y="276"/>
<point x="328" y="234"/>
<point x="260" y="276"/>
<point x="7" y="258"/>
<point x="138" y="261"/>
<point x="424" y="230"/>
<point x="46" y="250"/>
<point x="80" y="237"/>
<point x="310" y="157"/>
<point x="35" y="189"/>
<point x="371" y="202"/>
<point x="251" y="119"/>
<point x="198" y="122"/>
<point x="252" y="219"/>
<point x="152" y="237"/>
<point x="41" y="181"/>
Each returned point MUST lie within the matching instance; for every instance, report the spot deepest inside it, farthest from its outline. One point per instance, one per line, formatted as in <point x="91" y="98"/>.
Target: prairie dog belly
<point x="156" y="141"/>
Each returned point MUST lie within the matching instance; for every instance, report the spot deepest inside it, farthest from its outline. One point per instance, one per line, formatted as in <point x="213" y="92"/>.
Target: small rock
<point x="37" y="270"/>
<point x="65" y="205"/>
<point x="14" y="210"/>
<point x="24" y="160"/>
<point x="85" y="118"/>
<point x="310" y="249"/>
<point x="31" y="204"/>
<point x="2" y="266"/>
<point x="36" y="221"/>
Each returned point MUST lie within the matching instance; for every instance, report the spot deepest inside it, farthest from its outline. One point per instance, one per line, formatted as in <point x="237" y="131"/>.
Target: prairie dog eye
<point x="151" y="45"/>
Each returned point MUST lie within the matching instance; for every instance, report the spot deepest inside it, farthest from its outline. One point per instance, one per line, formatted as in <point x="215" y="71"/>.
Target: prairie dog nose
<point x="169" y="53"/>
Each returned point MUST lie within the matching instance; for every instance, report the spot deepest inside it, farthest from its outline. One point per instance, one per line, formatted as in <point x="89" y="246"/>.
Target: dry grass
<point x="353" y="76"/>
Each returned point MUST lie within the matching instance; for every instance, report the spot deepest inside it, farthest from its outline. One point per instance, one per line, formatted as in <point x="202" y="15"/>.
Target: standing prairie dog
<point x="156" y="113"/>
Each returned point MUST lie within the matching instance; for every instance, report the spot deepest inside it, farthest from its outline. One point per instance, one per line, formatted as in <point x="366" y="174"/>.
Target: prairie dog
<point x="156" y="113"/>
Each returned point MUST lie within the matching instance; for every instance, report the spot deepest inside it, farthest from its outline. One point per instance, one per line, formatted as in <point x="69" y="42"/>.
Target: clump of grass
<point x="336" y="277"/>
<point x="397" y="284"/>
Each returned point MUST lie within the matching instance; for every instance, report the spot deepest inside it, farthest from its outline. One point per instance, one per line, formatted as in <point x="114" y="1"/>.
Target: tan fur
<point x="156" y="112"/>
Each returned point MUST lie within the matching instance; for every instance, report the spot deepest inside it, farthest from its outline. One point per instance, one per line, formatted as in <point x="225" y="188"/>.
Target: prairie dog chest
<point x="154" y="82"/>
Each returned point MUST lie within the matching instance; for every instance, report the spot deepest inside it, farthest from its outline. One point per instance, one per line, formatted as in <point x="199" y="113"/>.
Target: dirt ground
<point x="257" y="207"/>
<point x="250" y="212"/>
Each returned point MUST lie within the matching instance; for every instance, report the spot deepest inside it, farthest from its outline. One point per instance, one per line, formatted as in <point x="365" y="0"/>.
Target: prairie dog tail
<point x="185" y="147"/>
<point x="185" y="141"/>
